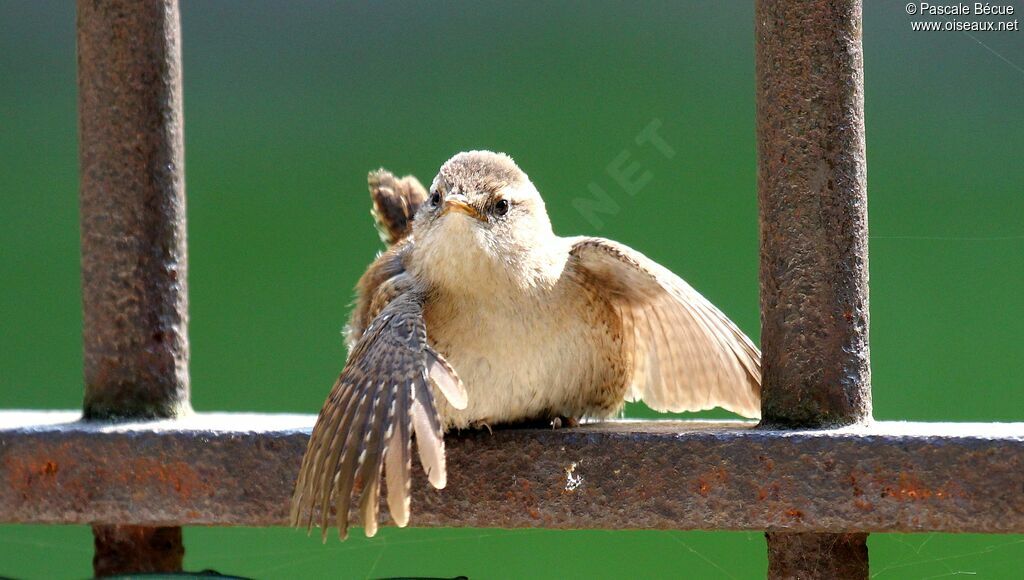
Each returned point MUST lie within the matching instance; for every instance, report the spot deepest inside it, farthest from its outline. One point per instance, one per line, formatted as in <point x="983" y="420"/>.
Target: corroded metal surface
<point x="238" y="469"/>
<point x="139" y="549"/>
<point x="132" y="198"/>
<point x="797" y="555"/>
<point x="812" y="191"/>
<point x="134" y="263"/>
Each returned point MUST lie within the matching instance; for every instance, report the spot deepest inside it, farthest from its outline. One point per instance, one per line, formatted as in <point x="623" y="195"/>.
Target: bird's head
<point x="483" y="217"/>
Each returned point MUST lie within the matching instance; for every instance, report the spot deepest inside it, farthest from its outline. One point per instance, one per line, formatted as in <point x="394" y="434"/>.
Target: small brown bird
<point x="478" y="314"/>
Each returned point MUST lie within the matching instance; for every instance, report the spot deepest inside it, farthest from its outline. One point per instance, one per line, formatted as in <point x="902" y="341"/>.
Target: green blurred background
<point x="288" y="106"/>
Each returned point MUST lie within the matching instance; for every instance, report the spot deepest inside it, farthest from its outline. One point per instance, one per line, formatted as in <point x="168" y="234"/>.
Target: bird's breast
<point x="536" y="356"/>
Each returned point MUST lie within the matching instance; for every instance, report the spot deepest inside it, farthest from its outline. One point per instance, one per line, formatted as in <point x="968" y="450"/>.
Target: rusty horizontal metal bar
<point x="238" y="469"/>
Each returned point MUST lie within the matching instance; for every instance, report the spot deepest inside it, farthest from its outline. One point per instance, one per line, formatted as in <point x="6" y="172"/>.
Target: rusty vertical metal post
<point x="134" y="260"/>
<point x="812" y="191"/>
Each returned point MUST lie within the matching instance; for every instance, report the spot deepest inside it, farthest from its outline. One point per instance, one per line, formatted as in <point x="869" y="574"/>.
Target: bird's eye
<point x="435" y="200"/>
<point x="501" y="208"/>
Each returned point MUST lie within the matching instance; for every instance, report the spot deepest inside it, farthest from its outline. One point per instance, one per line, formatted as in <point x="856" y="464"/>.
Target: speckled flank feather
<point x="376" y="288"/>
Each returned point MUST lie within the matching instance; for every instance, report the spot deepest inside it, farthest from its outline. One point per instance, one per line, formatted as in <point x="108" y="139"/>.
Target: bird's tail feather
<point x="395" y="202"/>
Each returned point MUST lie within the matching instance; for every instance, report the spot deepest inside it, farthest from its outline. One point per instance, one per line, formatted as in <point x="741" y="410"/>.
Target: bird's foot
<point x="480" y="425"/>
<point x="559" y="422"/>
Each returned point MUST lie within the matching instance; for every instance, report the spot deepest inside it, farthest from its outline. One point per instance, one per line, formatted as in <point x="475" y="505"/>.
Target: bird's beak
<point x="460" y="204"/>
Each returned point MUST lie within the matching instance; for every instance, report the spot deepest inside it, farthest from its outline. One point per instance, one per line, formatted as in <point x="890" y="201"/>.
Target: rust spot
<point x="857" y="491"/>
<point x="910" y="488"/>
<point x="863" y="504"/>
<point x="178" y="476"/>
<point x="795" y="513"/>
<point x="707" y="480"/>
<point x="27" y="476"/>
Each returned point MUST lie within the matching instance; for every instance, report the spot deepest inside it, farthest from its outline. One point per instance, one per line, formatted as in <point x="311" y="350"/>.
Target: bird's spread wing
<point x="382" y="397"/>
<point x="686" y="355"/>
